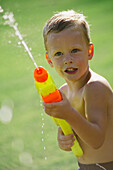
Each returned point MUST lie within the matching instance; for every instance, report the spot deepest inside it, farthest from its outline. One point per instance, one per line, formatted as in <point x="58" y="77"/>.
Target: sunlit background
<point x="28" y="137"/>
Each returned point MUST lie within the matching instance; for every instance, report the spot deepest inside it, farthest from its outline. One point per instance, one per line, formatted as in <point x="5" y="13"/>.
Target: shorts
<point x="97" y="166"/>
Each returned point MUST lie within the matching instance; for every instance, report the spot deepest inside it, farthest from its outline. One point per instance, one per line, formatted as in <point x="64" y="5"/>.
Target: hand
<point x="65" y="142"/>
<point x="60" y="109"/>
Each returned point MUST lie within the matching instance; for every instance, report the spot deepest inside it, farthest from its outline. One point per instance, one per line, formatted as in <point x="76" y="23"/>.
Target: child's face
<point x="68" y="52"/>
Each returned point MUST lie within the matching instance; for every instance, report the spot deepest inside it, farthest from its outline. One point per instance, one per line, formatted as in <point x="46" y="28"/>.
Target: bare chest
<point x="77" y="101"/>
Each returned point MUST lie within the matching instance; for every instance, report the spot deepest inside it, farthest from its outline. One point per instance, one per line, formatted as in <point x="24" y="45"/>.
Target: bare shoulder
<point x="98" y="85"/>
<point x="98" y="96"/>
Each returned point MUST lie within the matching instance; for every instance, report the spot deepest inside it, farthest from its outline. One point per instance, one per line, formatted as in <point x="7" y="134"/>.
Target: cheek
<point x="58" y="66"/>
<point x="57" y="62"/>
<point x="81" y="61"/>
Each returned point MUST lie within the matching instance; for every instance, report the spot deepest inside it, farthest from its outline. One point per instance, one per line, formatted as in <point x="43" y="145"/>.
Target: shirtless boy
<point x="87" y="103"/>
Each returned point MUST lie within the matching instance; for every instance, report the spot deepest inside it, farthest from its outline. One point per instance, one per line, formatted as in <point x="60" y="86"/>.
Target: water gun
<point x="49" y="93"/>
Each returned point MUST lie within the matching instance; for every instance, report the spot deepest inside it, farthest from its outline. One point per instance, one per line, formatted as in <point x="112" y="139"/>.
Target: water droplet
<point x="19" y="43"/>
<point x="41" y="114"/>
<point x="10" y="19"/>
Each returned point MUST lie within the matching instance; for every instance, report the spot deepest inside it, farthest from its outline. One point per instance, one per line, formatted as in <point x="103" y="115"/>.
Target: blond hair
<point x="66" y="19"/>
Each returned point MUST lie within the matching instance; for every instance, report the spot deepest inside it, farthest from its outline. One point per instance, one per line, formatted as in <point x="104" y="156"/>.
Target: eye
<point x="58" y="54"/>
<point x="75" y="50"/>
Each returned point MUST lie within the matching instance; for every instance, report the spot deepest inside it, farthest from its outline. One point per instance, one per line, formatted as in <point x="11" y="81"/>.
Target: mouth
<point x="71" y="70"/>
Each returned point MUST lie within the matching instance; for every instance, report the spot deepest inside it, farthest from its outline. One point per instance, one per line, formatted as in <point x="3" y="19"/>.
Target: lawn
<point x="28" y="141"/>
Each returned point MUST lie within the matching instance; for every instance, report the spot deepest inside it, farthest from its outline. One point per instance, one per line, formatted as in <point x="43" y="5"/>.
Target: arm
<point x="92" y="128"/>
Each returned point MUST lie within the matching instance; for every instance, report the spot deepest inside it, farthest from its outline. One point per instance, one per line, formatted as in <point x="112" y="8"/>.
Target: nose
<point x="68" y="60"/>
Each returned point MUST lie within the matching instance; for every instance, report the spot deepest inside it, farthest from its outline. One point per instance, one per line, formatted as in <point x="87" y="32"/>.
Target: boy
<point x="87" y="103"/>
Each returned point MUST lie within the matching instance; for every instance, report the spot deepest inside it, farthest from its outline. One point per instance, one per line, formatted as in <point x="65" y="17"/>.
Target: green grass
<point x="17" y="84"/>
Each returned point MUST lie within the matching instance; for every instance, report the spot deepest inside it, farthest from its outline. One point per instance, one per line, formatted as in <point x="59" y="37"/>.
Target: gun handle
<point x="66" y="128"/>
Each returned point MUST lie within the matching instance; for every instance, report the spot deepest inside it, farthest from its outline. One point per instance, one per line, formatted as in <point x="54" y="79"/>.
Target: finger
<point x="46" y="110"/>
<point x="48" y="105"/>
<point x="66" y="147"/>
<point x="51" y="104"/>
<point x="63" y="137"/>
<point x="67" y="142"/>
<point x="66" y="136"/>
<point x="60" y="131"/>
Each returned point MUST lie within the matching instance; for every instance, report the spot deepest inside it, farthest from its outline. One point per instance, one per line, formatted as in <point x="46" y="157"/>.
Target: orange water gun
<point x="49" y="93"/>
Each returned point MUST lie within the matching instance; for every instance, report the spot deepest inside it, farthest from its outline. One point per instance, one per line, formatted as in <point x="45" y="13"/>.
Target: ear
<point x="90" y="51"/>
<point x="48" y="59"/>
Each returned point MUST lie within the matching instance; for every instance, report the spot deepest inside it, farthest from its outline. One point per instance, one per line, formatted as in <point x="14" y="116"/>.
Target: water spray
<point x="10" y="20"/>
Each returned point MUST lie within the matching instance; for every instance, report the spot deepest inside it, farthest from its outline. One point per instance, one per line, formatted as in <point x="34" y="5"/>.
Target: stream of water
<point x="10" y="20"/>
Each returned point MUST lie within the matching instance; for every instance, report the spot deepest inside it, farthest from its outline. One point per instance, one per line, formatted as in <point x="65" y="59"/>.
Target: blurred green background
<point x="28" y="139"/>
